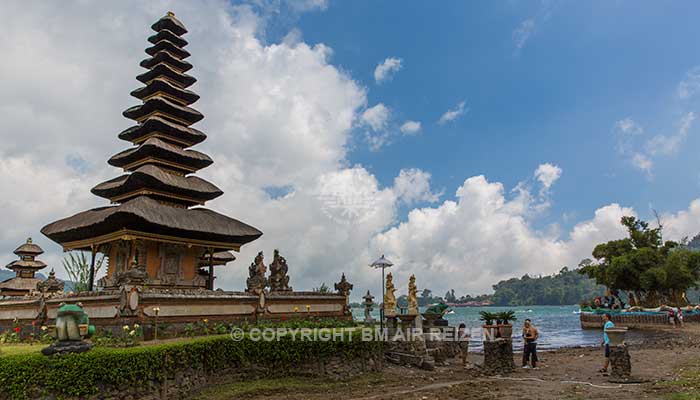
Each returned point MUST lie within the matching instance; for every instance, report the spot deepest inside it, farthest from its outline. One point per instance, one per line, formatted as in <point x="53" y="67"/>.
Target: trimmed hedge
<point x="74" y="375"/>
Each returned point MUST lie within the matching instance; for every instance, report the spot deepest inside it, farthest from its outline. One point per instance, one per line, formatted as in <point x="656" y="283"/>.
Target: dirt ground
<point x="660" y="360"/>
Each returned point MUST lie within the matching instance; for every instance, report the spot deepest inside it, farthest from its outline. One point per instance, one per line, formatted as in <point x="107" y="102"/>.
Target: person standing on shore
<point x="463" y="338"/>
<point x="607" y="324"/>
<point x="530" y="335"/>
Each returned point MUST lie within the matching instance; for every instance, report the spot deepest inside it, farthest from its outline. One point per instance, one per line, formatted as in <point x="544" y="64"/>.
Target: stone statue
<point x="389" y="297"/>
<point x="369" y="302"/>
<point x="51" y="285"/>
<point x="344" y="287"/>
<point x="72" y="326"/>
<point x="412" y="293"/>
<point x="279" y="280"/>
<point x="256" y="282"/>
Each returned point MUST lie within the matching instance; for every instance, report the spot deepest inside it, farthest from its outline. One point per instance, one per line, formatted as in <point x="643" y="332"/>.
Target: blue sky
<point x="583" y="67"/>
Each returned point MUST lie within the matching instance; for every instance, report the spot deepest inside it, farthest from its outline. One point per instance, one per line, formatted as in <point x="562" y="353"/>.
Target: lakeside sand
<point x="657" y="357"/>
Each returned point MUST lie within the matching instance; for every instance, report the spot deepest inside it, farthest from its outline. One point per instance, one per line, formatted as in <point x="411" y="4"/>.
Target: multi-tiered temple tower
<point x="156" y="232"/>
<point x="161" y="243"/>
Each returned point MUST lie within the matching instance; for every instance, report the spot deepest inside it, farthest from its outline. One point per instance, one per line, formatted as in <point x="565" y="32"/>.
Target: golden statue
<point x="412" y="293"/>
<point x="389" y="298"/>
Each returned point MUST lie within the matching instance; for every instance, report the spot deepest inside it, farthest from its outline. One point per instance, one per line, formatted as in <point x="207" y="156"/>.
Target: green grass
<point x="687" y="385"/>
<point x="269" y="387"/>
<point x="14" y="349"/>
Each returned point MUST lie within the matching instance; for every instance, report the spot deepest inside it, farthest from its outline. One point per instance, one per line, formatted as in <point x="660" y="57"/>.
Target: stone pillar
<point x="620" y="362"/>
<point x="498" y="356"/>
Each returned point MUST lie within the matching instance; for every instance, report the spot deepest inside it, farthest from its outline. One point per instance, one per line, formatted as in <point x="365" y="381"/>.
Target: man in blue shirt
<point x="607" y="324"/>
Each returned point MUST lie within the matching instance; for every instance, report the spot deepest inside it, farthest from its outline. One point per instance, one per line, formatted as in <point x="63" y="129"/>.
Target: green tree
<point x="649" y="270"/>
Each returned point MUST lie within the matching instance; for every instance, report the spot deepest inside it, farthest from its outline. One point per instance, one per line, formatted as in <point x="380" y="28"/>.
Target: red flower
<point x="17" y="329"/>
<point x="284" y="318"/>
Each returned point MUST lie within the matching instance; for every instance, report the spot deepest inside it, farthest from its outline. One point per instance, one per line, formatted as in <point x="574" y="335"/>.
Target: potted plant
<point x="505" y="328"/>
<point x="490" y="330"/>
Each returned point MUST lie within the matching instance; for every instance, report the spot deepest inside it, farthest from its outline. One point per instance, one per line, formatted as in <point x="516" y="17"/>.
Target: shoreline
<point x="661" y="360"/>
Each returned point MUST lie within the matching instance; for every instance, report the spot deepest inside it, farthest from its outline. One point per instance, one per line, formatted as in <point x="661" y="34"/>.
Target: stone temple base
<point x="70" y="346"/>
<point x="621" y="370"/>
<point x="498" y="357"/>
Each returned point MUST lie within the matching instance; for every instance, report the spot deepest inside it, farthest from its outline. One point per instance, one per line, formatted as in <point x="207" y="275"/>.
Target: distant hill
<point x="564" y="288"/>
<point x="6" y="274"/>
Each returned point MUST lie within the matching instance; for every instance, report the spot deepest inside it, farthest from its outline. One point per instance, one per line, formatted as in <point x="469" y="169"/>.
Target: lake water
<point x="559" y="326"/>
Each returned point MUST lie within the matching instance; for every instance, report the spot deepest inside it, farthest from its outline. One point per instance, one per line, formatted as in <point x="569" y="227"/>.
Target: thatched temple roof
<point x="153" y="199"/>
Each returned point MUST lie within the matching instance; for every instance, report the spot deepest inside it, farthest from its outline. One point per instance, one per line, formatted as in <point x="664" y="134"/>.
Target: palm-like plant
<point x="77" y="267"/>
<point x="487" y="317"/>
<point x="506" y="316"/>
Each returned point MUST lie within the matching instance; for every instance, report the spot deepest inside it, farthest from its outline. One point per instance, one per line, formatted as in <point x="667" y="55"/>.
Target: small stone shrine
<point x="344" y="287"/>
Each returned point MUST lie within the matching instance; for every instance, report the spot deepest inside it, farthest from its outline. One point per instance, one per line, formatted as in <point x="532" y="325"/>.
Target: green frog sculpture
<point x="72" y="327"/>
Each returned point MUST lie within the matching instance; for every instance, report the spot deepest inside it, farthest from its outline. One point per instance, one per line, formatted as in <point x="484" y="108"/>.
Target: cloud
<point x="669" y="144"/>
<point x="452" y="114"/>
<point x="386" y="69"/>
<point x="410" y="127"/>
<point x="547" y="174"/>
<point x="376" y="117"/>
<point x="643" y="163"/>
<point x="642" y="157"/>
<point x="413" y="185"/>
<point x="690" y="84"/>
<point x="529" y="26"/>
<point x="522" y="33"/>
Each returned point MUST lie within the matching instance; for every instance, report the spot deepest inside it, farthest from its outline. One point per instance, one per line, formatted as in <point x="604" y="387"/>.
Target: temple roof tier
<point x="167" y="58"/>
<point x="144" y="217"/>
<point x="152" y="180"/>
<point x="170" y="47"/>
<point x="162" y="87"/>
<point x="26" y="264"/>
<point x="162" y="129"/>
<point x="164" y="71"/>
<point x="165" y="34"/>
<point x="218" y="258"/>
<point x="162" y="107"/>
<point x="170" y="23"/>
<point x="29" y="249"/>
<point x="156" y="151"/>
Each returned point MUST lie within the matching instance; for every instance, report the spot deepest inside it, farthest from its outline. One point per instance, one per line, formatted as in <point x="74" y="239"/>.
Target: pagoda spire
<point x="160" y="160"/>
<point x="155" y="197"/>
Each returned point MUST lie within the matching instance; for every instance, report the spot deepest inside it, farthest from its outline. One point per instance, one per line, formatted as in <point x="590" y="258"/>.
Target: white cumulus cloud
<point x="387" y="68"/>
<point x="452" y="114"/>
<point x="410" y="127"/>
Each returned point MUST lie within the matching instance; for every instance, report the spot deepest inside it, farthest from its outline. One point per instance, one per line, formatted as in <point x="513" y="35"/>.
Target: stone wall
<point x="187" y="381"/>
<point x="177" y="308"/>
